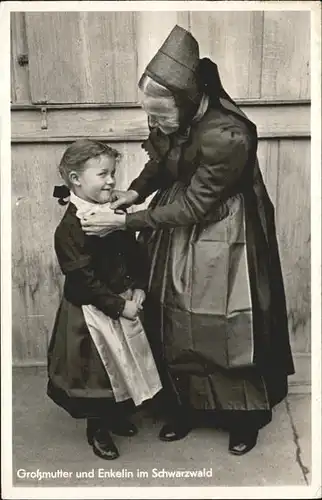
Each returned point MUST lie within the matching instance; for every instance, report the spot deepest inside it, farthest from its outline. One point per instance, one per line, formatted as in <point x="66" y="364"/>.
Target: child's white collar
<point x="84" y="206"/>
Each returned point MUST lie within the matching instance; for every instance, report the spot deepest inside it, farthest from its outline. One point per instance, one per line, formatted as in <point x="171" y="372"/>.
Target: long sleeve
<point x="82" y="286"/>
<point x="148" y="181"/>
<point x="223" y="157"/>
<point x="153" y="176"/>
<point x="95" y="292"/>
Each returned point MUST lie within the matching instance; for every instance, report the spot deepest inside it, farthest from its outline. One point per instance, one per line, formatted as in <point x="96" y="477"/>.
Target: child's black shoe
<point x="103" y="445"/>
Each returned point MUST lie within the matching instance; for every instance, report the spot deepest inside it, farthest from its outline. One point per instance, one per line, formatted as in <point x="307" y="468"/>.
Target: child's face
<point x="96" y="181"/>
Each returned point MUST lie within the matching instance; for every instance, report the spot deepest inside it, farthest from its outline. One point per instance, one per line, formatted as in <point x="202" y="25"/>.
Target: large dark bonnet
<point x="178" y="67"/>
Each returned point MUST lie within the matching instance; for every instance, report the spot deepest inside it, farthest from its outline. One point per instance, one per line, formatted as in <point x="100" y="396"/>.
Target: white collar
<point x="84" y="206"/>
<point x="203" y="106"/>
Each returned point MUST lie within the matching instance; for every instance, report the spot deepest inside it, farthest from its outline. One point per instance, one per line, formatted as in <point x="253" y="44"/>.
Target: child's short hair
<point x="76" y="155"/>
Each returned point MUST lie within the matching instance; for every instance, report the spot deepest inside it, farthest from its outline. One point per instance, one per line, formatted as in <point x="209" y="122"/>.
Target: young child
<point x="99" y="360"/>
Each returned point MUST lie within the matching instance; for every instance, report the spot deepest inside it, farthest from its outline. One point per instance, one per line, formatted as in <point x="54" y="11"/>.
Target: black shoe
<point x="93" y="424"/>
<point x="174" y="431"/>
<point x="103" y="445"/>
<point x="124" y="428"/>
<point x="240" y="442"/>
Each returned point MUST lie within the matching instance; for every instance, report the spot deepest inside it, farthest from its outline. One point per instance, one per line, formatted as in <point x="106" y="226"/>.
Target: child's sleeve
<point x="82" y="285"/>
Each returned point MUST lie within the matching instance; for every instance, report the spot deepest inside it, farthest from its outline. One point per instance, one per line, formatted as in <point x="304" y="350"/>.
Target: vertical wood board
<point x="293" y="231"/>
<point x="286" y="55"/>
<point x="79" y="57"/>
<point x="233" y="40"/>
<point x="35" y="277"/>
<point x="20" y="89"/>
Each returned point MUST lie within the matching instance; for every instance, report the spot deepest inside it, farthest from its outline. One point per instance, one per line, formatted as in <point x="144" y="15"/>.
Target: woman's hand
<point x="138" y="297"/>
<point x="130" y="310"/>
<point x="123" y="199"/>
<point x="101" y="222"/>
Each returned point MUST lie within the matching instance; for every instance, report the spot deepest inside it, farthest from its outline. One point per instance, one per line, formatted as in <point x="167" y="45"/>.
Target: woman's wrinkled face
<point x="162" y="112"/>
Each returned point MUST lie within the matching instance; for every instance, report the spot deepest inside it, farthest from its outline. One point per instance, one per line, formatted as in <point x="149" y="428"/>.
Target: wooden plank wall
<point x="276" y="46"/>
<point x="95" y="60"/>
<point x="81" y="80"/>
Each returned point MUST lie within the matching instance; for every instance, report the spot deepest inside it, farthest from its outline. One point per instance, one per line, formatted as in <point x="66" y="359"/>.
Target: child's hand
<point x="130" y="310"/>
<point x="138" y="297"/>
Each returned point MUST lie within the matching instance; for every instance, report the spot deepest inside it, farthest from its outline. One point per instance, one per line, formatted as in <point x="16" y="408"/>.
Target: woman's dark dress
<point x="207" y="355"/>
<point x="96" y="271"/>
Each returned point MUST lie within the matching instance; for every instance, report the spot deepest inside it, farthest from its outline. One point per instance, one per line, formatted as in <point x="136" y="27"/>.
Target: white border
<point x="316" y="160"/>
<point x="150" y="5"/>
<point x="10" y="492"/>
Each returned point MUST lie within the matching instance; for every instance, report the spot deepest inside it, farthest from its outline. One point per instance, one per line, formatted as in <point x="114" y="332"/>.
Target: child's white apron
<point x="122" y="344"/>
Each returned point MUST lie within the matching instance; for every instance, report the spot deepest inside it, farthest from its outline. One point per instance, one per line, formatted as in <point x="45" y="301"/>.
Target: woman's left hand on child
<point x="138" y="296"/>
<point x="94" y="223"/>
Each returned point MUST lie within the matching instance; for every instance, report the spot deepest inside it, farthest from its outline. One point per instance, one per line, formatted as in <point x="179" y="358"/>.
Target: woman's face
<point x="162" y="113"/>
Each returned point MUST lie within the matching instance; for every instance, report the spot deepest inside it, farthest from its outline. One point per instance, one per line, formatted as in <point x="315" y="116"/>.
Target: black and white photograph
<point x="161" y="249"/>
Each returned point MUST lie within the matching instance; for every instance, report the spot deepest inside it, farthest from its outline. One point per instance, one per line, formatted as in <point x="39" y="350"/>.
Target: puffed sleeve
<point x="76" y="263"/>
<point x="223" y="152"/>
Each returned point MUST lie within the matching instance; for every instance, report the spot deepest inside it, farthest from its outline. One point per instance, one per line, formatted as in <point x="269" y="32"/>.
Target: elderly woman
<point x="215" y="312"/>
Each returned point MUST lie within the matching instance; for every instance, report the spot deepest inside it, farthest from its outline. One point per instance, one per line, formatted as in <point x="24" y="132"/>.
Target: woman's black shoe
<point x="240" y="442"/>
<point x="174" y="431"/>
<point x="124" y="428"/>
<point x="103" y="445"/>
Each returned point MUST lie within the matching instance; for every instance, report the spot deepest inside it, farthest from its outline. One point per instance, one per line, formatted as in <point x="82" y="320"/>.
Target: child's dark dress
<point x="96" y="271"/>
